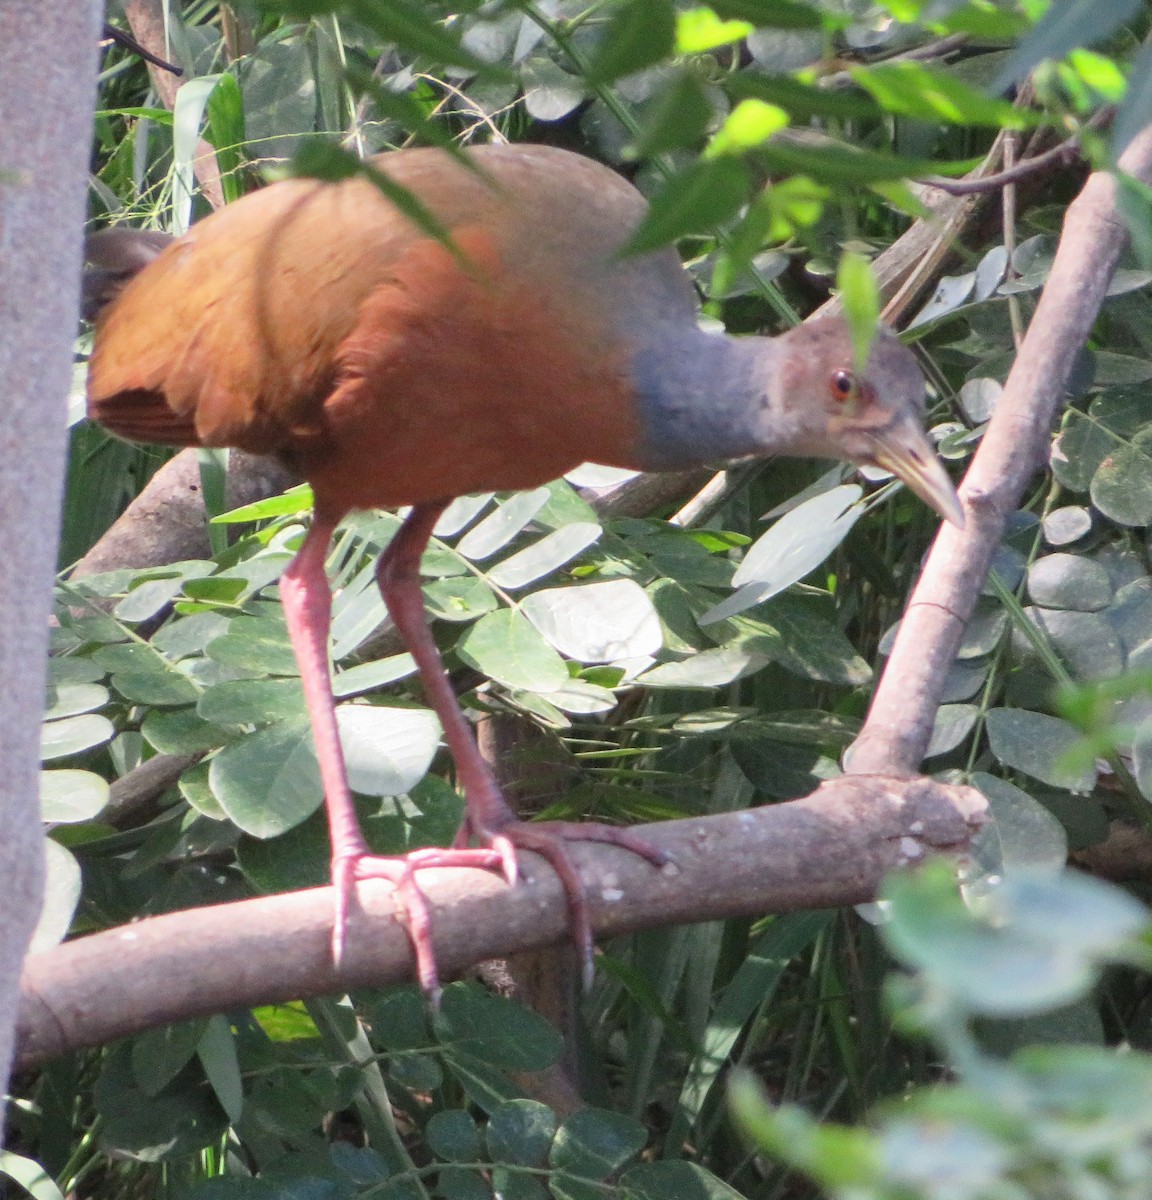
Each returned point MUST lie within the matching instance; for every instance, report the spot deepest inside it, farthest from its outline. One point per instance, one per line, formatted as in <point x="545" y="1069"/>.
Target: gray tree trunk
<point x="47" y="80"/>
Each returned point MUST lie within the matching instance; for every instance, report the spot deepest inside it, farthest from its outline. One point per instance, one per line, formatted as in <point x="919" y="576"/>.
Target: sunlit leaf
<point x="599" y="622"/>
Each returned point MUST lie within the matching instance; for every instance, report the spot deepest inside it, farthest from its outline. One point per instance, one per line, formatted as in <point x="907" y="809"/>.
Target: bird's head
<point x="873" y="417"/>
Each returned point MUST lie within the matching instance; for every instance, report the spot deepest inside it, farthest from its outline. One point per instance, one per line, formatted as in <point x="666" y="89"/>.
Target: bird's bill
<point x="903" y="449"/>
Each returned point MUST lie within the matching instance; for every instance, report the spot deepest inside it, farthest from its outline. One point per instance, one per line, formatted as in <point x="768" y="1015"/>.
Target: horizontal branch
<point x="830" y="849"/>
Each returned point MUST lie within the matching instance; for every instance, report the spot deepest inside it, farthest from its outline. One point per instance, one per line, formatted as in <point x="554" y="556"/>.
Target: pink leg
<point x="489" y="819"/>
<point x="307" y="603"/>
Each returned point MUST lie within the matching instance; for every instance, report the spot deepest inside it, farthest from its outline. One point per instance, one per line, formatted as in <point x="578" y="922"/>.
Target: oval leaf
<point x="506" y="647"/>
<point x="599" y="622"/>
<point x="387" y="750"/>
<point x="268" y="782"/>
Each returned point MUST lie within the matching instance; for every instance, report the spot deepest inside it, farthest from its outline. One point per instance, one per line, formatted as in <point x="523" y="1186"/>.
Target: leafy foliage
<point x="1041" y="1121"/>
<point x="672" y="668"/>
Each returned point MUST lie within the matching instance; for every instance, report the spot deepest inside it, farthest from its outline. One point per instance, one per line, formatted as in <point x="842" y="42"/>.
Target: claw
<point x="410" y="899"/>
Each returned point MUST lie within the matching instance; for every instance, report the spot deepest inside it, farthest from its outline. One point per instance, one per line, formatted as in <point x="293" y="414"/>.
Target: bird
<point x="394" y="364"/>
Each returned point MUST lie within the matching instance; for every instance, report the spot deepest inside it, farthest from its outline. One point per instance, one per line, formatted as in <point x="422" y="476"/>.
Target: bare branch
<point x="829" y="849"/>
<point x="166" y="522"/>
<point x="899" y="725"/>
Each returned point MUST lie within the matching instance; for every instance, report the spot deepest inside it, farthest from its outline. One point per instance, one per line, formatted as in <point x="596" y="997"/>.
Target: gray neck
<point x="706" y="397"/>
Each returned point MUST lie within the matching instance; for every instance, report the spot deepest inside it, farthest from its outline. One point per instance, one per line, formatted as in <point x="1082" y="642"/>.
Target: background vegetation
<point x="645" y="700"/>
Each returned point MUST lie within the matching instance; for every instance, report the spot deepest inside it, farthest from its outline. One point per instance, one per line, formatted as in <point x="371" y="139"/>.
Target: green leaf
<point x="700" y="29"/>
<point x="696" y="200"/>
<point x="252" y="701"/>
<point x="496" y="1031"/>
<point x="452" y="1135"/>
<point x="792" y="548"/>
<point x="72" y="699"/>
<point x="70" y="796"/>
<point x="269" y="781"/>
<point x="684" y="1180"/>
<point x="1026" y="833"/>
<point x="805" y="643"/>
<point x="255" y="644"/>
<point x="640" y="34"/>
<point x="521" y="1132"/>
<point x="74" y="735"/>
<point x="162" y="689"/>
<point x="182" y="732"/>
<point x="1035" y="743"/>
<point x="459" y="598"/>
<point x="861" y="299"/>
<point x="1063" y="27"/>
<point x="196" y="788"/>
<point x="677" y="118"/>
<point x="776" y="14"/>
<point x="225" y="132"/>
<point x="30" y="1175"/>
<point x="295" y="500"/>
<point x="707" y="669"/>
<point x="1069" y="581"/>
<point x="159" y="1055"/>
<point x="400" y="1019"/>
<point x="544" y="556"/>
<point x="73" y="670"/>
<point x="550" y="92"/>
<point x="62" y="887"/>
<point x="404" y="22"/>
<point x="1134" y="200"/>
<point x="1122" y="486"/>
<point x="148" y="599"/>
<point x="505" y="647"/>
<point x="1037" y="941"/>
<point x="594" y="1143"/>
<point x="1087" y="643"/>
<point x="502" y="525"/>
<point x="368" y="676"/>
<point x="597" y="622"/>
<point x="750" y="124"/>
<point x="387" y="750"/>
<point x="953" y="723"/>
<point x="217" y="1053"/>
<point x="218" y="589"/>
<point x="915" y="90"/>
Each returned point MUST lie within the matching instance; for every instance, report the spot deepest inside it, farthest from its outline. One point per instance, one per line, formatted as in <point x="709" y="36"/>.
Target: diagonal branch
<point x="899" y="725"/>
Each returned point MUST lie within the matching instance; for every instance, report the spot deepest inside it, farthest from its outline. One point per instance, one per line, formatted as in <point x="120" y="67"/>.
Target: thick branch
<point x="166" y="522"/>
<point x="831" y="848"/>
<point x="899" y="725"/>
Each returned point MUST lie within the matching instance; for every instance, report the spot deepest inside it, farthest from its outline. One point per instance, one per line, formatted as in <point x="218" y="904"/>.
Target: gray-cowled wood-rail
<point x="315" y="321"/>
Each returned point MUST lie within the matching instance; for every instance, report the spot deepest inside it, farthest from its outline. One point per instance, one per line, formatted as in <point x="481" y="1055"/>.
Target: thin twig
<point x="112" y="34"/>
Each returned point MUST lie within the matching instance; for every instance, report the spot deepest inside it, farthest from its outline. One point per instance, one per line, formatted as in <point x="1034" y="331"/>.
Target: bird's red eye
<point x="844" y="386"/>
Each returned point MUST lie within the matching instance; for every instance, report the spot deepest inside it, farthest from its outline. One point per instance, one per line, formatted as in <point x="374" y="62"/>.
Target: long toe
<point x="401" y="873"/>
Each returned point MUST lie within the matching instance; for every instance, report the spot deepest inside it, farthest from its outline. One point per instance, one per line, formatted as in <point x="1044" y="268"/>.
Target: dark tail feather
<point x="113" y="256"/>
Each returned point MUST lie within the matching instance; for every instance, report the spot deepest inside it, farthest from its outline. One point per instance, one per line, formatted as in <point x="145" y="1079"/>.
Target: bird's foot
<point x="356" y="864"/>
<point x="550" y="840"/>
